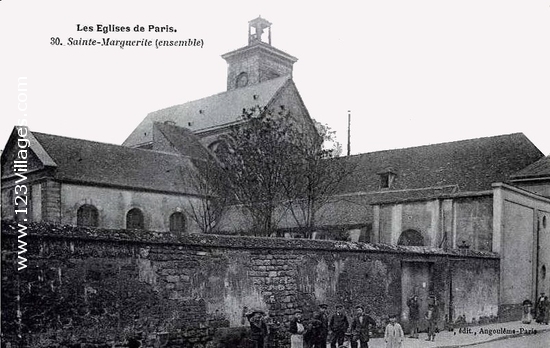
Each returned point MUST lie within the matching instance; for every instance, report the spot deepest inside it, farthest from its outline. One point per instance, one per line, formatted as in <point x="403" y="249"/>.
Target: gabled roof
<point x="211" y="112"/>
<point x="183" y="141"/>
<point x="539" y="169"/>
<point x="90" y="162"/>
<point x="35" y="146"/>
<point x="469" y="165"/>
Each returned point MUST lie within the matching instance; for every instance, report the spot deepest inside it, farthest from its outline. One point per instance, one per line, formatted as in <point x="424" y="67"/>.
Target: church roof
<point x="182" y="140"/>
<point x="467" y="165"/>
<point x="539" y="169"/>
<point x="90" y="162"/>
<point x="211" y="112"/>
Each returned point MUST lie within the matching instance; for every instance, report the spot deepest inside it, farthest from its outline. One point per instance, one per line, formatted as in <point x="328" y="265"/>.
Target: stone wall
<point x="103" y="287"/>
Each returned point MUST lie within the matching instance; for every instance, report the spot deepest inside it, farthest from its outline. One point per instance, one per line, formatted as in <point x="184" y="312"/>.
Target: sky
<point x="411" y="72"/>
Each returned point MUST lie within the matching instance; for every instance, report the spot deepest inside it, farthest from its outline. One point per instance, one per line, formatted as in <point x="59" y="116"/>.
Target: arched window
<point x="177" y="222"/>
<point x="134" y="219"/>
<point x="87" y="215"/>
<point x="411" y="237"/>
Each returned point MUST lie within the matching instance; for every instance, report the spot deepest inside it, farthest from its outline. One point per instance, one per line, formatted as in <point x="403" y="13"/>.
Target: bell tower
<point x="259" y="25"/>
<point x="259" y="61"/>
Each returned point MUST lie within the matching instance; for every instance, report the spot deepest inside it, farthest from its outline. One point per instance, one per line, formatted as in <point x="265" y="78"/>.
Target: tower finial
<point x="258" y="61"/>
<point x="258" y="24"/>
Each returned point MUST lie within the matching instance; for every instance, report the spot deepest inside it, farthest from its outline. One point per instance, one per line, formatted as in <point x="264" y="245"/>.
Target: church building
<point x="257" y="75"/>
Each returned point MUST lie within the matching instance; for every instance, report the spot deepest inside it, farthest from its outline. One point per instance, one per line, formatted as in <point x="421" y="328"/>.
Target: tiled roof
<point x="91" y="162"/>
<point x="183" y="141"/>
<point x="468" y="165"/>
<point x="210" y="112"/>
<point x="539" y="169"/>
<point x="38" y="150"/>
<point x="390" y="196"/>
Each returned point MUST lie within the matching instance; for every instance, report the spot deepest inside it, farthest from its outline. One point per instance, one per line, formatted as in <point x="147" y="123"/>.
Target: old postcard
<point x="275" y="174"/>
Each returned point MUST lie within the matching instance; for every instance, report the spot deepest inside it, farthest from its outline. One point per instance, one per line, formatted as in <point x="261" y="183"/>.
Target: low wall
<point x="102" y="287"/>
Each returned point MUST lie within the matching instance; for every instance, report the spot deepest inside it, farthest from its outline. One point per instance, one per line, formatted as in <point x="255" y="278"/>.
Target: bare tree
<point x="255" y="161"/>
<point x="275" y="160"/>
<point x="209" y="182"/>
<point x="314" y="177"/>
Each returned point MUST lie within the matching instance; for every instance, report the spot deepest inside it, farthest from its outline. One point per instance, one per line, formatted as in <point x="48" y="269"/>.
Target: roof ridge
<point x="287" y="77"/>
<point x="537" y="169"/>
<point x="443" y="143"/>
<point x="137" y="149"/>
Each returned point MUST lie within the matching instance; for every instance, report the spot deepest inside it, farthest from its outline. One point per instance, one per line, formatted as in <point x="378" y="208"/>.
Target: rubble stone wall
<point x="104" y="287"/>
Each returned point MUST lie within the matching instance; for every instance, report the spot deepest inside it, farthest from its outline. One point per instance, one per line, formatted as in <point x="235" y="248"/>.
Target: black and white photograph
<point x="275" y="174"/>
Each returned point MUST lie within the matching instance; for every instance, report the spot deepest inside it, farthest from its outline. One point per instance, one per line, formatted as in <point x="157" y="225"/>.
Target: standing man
<point x="338" y="325"/>
<point x="324" y="322"/>
<point x="541" y="308"/>
<point x="313" y="337"/>
<point x="360" y="328"/>
<point x="258" y="328"/>
<point x="412" y="303"/>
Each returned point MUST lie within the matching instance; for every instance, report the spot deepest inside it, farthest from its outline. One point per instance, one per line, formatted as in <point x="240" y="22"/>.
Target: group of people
<point x="541" y="313"/>
<point x="431" y="316"/>
<point x="313" y="334"/>
<point x="258" y="328"/>
<point x="322" y="328"/>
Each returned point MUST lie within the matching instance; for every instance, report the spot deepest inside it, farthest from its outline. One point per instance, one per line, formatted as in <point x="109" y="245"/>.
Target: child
<point x="393" y="334"/>
<point x="431" y="318"/>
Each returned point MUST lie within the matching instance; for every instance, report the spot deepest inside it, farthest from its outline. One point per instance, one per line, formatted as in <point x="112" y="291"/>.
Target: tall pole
<point x="349" y="132"/>
<point x="537" y="262"/>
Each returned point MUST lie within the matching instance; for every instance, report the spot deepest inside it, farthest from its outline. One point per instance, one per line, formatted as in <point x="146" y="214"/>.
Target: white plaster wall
<point x="516" y="214"/>
<point x="113" y="204"/>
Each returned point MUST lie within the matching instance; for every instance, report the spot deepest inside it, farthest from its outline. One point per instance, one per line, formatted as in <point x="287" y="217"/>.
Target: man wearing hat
<point x="323" y="316"/>
<point x="258" y="328"/>
<point x="360" y="328"/>
<point x="338" y="325"/>
<point x="414" y="315"/>
<point x="542" y="309"/>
